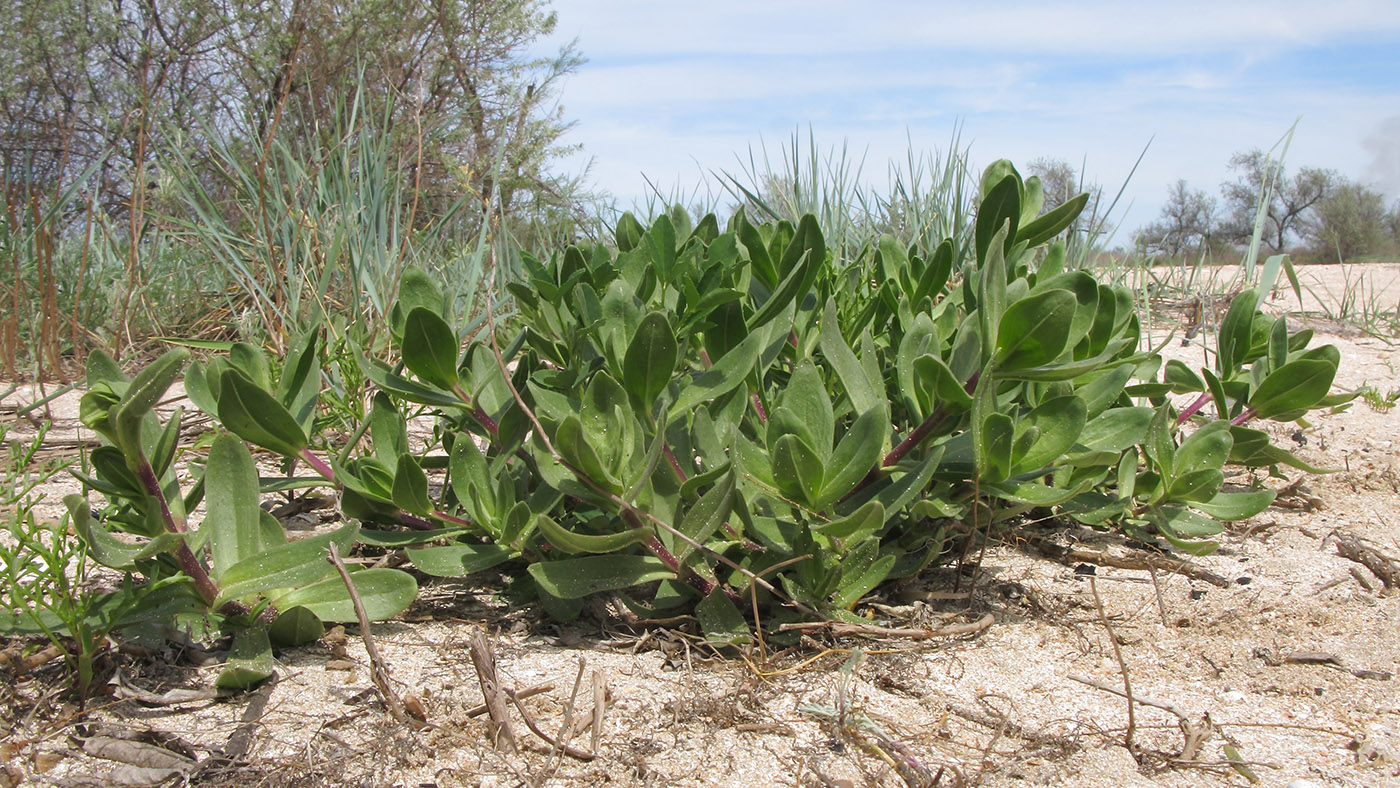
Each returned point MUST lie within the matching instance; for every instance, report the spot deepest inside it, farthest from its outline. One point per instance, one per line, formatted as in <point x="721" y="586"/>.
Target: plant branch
<point x="379" y="671"/>
<point x="622" y="504"/>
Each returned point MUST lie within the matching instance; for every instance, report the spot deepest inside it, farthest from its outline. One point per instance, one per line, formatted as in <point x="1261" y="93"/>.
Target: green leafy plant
<point x="698" y="415"/>
<point x="236" y="565"/>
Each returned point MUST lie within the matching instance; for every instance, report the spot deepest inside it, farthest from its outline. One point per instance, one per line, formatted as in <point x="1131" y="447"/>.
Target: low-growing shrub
<point x="706" y="419"/>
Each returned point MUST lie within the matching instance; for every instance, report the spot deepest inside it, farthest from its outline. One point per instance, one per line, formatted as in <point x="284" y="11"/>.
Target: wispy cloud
<point x="675" y="89"/>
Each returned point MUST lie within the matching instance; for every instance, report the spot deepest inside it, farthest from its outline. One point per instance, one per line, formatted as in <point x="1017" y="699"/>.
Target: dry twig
<point x="484" y="660"/>
<point x="1143" y="561"/>
<point x="379" y="669"/>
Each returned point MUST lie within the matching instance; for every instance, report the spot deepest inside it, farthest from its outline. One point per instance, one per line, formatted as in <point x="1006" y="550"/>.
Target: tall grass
<point x="308" y="236"/>
<point x="929" y="195"/>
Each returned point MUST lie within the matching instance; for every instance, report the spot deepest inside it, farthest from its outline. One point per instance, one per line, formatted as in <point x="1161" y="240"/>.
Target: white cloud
<point x="631" y="28"/>
<point x="674" y="91"/>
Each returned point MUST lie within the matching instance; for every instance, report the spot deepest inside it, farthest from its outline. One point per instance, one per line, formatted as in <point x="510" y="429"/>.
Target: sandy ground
<point x="1287" y="669"/>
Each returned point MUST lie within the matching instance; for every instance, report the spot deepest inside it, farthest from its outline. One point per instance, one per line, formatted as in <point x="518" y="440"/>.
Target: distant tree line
<point x="116" y="84"/>
<point x="1314" y="212"/>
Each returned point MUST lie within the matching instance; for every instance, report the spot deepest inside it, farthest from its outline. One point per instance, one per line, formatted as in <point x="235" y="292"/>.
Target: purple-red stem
<point x="1193" y="407"/>
<point x="914" y="438"/>
<point x="476" y="411"/>
<point x="189" y="564"/>
<point x="1243" y="417"/>
<point x="675" y="464"/>
<point x="319" y="465"/>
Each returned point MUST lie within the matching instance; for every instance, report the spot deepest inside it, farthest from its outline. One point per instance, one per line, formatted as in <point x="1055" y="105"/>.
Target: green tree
<point x="1188" y="225"/>
<point x="468" y="107"/>
<point x="1289" y="199"/>
<point x="1350" y="222"/>
<point x="1059" y="181"/>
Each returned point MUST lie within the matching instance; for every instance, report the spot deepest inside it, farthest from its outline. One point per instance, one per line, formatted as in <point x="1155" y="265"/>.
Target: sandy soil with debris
<point x="1285" y="668"/>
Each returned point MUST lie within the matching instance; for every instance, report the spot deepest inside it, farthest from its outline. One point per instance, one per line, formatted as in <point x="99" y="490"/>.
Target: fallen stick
<point x="572" y="752"/>
<point x="1319" y="658"/>
<point x="1350" y="547"/>
<point x="1141" y="700"/>
<point x="502" y="734"/>
<point x="379" y="670"/>
<point x="840" y="628"/>
<point x="1144" y="561"/>
<point x="528" y="692"/>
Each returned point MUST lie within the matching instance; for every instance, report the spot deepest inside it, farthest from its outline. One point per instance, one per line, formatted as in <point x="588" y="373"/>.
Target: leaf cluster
<point x="698" y="415"/>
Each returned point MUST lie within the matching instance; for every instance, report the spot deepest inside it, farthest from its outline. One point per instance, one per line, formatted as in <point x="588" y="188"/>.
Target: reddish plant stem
<point x="1243" y="417"/>
<point x="675" y="464"/>
<point x="1191" y="409"/>
<point x="914" y="438"/>
<point x="476" y="411"/>
<point x="189" y="564"/>
<point x="404" y="518"/>
<point x="319" y="465"/>
<point x="689" y="576"/>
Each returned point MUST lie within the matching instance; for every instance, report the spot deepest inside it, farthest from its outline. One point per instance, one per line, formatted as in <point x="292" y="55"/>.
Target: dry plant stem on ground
<point x="379" y="669"/>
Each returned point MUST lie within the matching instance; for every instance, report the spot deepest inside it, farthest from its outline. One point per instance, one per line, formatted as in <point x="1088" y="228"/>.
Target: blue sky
<point x="672" y="90"/>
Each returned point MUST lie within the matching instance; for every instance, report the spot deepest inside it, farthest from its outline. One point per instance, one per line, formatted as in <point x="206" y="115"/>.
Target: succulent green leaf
<point x="300" y="384"/>
<point x="291" y="565"/>
<point x="251" y="361"/>
<point x="386" y="379"/>
<point x="1000" y="210"/>
<point x="573" y="542"/>
<point x="797" y="469"/>
<point x="385" y="593"/>
<point x="1181" y="378"/>
<point x="721" y="620"/>
<point x="856" y="526"/>
<point x="471" y="480"/>
<point x="863" y="392"/>
<point x="1205" y="449"/>
<point x="574" y="578"/>
<point x="458" y="559"/>
<point x="430" y="348"/>
<point x="1236" y="333"/>
<point x="1117" y="429"/>
<point x="727" y="374"/>
<point x="661" y="240"/>
<point x="805" y="409"/>
<point x="1297" y="385"/>
<point x="102" y="369"/>
<point x="197" y="377"/>
<point x="1034" y="330"/>
<point x="573" y="444"/>
<point x="144" y="391"/>
<point x="1231" y="507"/>
<point x="1059" y="421"/>
<point x="296" y="626"/>
<point x="707" y="514"/>
<point x="257" y="417"/>
<point x="107" y="549"/>
<point x="1196" y="486"/>
<point x="855" y="457"/>
<point x="862" y="569"/>
<point x="233" y="521"/>
<point x="249" y="662"/>
<point x="629" y="232"/>
<point x="1052" y="223"/>
<point x="994" y="449"/>
<point x="936" y="272"/>
<point x="410" y="487"/>
<point x="651" y="359"/>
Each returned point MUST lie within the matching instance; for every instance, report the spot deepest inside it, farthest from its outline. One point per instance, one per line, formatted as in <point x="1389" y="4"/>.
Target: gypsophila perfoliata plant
<point x="700" y="418"/>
